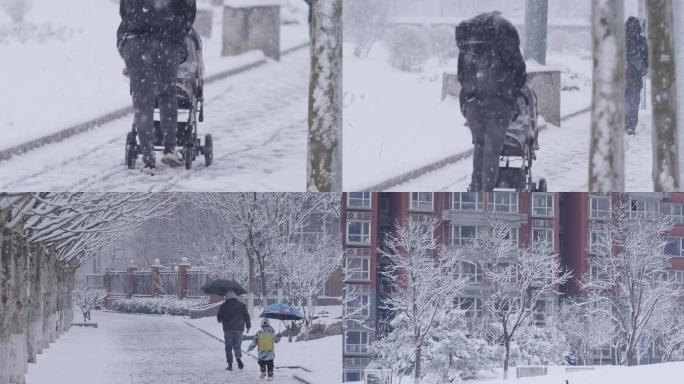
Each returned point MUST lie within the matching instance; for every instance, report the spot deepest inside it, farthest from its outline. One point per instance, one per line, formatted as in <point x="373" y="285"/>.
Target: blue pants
<point x="233" y="340"/>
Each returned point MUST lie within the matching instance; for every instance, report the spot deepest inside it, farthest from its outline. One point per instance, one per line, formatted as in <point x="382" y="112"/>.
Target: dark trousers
<point x="632" y="101"/>
<point x="153" y="67"/>
<point x="488" y="124"/>
<point x="233" y="341"/>
<point x="266" y="364"/>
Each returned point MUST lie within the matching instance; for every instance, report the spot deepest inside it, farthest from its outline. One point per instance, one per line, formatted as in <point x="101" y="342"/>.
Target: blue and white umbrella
<point x="282" y="312"/>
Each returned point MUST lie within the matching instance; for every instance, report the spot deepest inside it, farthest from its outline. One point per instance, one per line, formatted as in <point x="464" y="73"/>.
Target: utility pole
<point x="536" y="30"/>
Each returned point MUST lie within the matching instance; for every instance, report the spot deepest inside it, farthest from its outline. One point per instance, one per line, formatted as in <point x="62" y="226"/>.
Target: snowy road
<point x="140" y="349"/>
<point x="258" y="121"/>
<point x="563" y="161"/>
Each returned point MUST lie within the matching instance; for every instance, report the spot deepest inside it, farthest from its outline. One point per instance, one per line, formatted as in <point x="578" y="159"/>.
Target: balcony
<point x="480" y="218"/>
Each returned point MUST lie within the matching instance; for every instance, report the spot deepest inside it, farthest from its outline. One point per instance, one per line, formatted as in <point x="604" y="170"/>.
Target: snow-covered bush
<point x="443" y="41"/>
<point x="537" y="345"/>
<point x="159" y="305"/>
<point x="16" y="9"/>
<point x="409" y="47"/>
<point x="366" y="22"/>
<point x="87" y="298"/>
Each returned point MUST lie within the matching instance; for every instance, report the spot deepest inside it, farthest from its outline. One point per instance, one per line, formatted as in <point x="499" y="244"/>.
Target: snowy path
<point x="258" y="121"/>
<point x="563" y="161"/>
<point x="140" y="349"/>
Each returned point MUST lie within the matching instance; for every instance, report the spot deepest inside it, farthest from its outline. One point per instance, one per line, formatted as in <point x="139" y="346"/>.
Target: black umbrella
<point x="221" y="287"/>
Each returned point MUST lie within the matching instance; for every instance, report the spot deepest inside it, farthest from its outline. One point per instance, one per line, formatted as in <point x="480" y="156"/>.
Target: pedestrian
<point x="265" y="340"/>
<point x="637" y="68"/>
<point x="151" y="41"/>
<point x="235" y="318"/>
<point x="492" y="73"/>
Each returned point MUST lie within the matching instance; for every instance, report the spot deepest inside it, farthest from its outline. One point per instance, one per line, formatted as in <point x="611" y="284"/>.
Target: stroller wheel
<point x="208" y="150"/>
<point x="131" y="155"/>
<point x="187" y="156"/>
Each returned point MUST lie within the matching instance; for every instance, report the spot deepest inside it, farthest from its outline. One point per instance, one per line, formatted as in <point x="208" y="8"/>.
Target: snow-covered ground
<point x="162" y="349"/>
<point x="395" y="124"/>
<point x="666" y="373"/>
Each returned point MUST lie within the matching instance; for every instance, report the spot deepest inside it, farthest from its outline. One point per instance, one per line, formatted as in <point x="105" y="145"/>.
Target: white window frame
<point x="365" y="237"/>
<point x="366" y="200"/>
<point x="360" y="311"/>
<point x="674" y="211"/>
<point x="645" y="212"/>
<point x="458" y="205"/>
<point x="597" y="274"/>
<point x="361" y="347"/>
<point x="512" y="204"/>
<point x="476" y="308"/>
<point x="513" y="236"/>
<point x="594" y="211"/>
<point x="353" y="370"/>
<point x="474" y="278"/>
<point x="363" y="274"/>
<point x="593" y="246"/>
<point x="457" y="229"/>
<point x="547" y="230"/>
<point x="416" y="202"/>
<point x="679" y="240"/>
<point x="547" y="210"/>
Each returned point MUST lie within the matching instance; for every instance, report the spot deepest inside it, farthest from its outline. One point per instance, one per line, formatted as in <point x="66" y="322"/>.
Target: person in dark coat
<point x="492" y="72"/>
<point x="150" y="40"/>
<point x="234" y="317"/>
<point x="637" y="68"/>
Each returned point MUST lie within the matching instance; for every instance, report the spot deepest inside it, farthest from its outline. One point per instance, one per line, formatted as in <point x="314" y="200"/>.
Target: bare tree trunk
<point x="536" y="28"/>
<point x="324" y="166"/>
<point x="678" y="15"/>
<point x="35" y="330"/>
<point x="419" y="357"/>
<point x="606" y="162"/>
<point x="6" y="302"/>
<point x="507" y="344"/>
<point x="663" y="95"/>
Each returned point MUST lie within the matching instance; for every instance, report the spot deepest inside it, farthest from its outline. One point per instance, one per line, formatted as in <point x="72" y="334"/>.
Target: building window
<point x="674" y="212"/>
<point x="646" y="208"/>
<point x="513" y="236"/>
<point x="359" y="200"/>
<point x="471" y="305"/>
<point x="599" y="207"/>
<point x="422" y="201"/>
<point x="503" y="202"/>
<point x="357" y="268"/>
<point x="678" y="279"/>
<point x="356" y="342"/>
<point x="543" y="235"/>
<point x="597" y="243"/>
<point x="358" y="232"/>
<point x="467" y="201"/>
<point x="352" y="375"/>
<point x="471" y="273"/>
<point x="542" y="204"/>
<point x="462" y="234"/>
<point x="674" y="247"/>
<point x="509" y="272"/>
<point x="358" y="307"/>
<point x="597" y="274"/>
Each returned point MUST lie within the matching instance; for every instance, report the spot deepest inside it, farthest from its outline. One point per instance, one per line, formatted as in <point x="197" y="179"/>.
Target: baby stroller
<point x="519" y="151"/>
<point x="189" y="89"/>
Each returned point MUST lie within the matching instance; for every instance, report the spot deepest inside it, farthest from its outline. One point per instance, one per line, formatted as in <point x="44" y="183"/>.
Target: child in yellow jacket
<point x="265" y="340"/>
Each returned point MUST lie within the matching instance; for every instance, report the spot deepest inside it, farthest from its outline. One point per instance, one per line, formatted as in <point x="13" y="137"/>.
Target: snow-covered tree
<point x="87" y="298"/>
<point x="365" y="21"/>
<point x="304" y="268"/>
<point x="422" y="285"/>
<point x="324" y="165"/>
<point x="16" y="9"/>
<point x="606" y="158"/>
<point x="629" y="280"/>
<point x="663" y="61"/>
<point x="517" y="279"/>
<point x="541" y="345"/>
<point x="586" y="330"/>
<point x="536" y="29"/>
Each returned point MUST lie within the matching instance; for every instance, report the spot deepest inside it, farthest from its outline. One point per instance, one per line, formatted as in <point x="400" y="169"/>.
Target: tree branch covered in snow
<point x="86" y="298"/>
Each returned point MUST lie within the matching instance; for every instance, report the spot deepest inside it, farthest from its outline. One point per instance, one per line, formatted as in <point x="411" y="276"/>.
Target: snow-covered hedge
<point x="159" y="306"/>
<point x="443" y="40"/>
<point x="16" y="9"/>
<point x="409" y="47"/>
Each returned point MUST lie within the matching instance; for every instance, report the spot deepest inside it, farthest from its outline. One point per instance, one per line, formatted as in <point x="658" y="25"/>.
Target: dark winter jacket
<point x="168" y="20"/>
<point x="490" y="65"/>
<point x="637" y="53"/>
<point x="233" y="315"/>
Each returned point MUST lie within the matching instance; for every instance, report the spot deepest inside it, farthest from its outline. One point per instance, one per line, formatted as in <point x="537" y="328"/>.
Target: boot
<point x="239" y="362"/>
<point x="230" y="366"/>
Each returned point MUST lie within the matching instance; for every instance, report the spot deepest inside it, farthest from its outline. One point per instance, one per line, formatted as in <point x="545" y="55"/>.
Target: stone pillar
<point x="255" y="27"/>
<point x="182" y="276"/>
<point x="154" y="290"/>
<point x="129" y="279"/>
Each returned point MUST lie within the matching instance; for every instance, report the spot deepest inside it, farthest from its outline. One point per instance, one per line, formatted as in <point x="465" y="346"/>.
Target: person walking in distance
<point x="234" y="317"/>
<point x="637" y="68"/>
<point x="492" y="73"/>
<point x="150" y="40"/>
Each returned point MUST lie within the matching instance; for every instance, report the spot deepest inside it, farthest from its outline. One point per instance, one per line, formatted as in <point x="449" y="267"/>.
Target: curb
<point x="422" y="171"/>
<point x="74" y="130"/>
